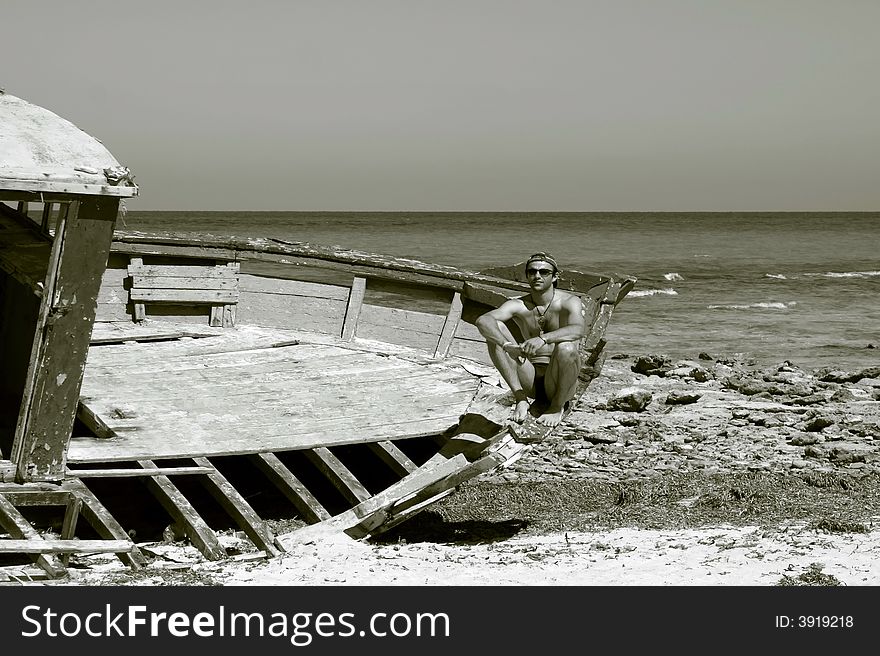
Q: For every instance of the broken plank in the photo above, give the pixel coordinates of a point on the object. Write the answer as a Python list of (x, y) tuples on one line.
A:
[(449, 327), (338, 474), (125, 472), (104, 524), (55, 546), (68, 526), (353, 309), (391, 455), (93, 422), (18, 527), (240, 510), (183, 513), (303, 500)]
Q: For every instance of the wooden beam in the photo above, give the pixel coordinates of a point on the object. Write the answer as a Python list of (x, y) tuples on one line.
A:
[(61, 340), (184, 296), (104, 524), (341, 477), (125, 472), (93, 422), (18, 527), (289, 485), (41, 546), (353, 310), (391, 454), (25, 497), (66, 188), (449, 327), (183, 513), (140, 312), (238, 508), (68, 526)]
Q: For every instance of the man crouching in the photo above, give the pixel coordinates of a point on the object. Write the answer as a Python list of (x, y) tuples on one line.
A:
[(545, 366)]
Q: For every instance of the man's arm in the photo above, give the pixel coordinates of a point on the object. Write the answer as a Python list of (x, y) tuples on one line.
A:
[(487, 323)]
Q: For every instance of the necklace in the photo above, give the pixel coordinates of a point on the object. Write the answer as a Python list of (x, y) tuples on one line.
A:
[(541, 318)]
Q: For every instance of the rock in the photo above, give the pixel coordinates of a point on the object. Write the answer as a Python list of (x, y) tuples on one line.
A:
[(803, 440), (812, 399), (843, 456), (682, 397), (631, 399), (813, 452), (705, 356), (816, 424), (843, 395), (701, 375), (600, 438), (652, 365), (747, 386)]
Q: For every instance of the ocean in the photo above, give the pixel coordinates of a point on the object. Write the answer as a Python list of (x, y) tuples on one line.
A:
[(764, 287)]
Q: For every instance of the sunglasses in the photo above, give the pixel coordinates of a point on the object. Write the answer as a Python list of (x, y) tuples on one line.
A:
[(541, 272)]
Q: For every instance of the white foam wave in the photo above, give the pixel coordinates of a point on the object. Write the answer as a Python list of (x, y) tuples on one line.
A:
[(653, 292), (672, 276), (844, 274), (755, 306), (777, 276)]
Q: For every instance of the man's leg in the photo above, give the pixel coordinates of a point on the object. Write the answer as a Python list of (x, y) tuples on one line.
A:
[(560, 381), (520, 377)]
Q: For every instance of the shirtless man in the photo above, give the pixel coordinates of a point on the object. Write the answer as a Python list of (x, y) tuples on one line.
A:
[(548, 361)]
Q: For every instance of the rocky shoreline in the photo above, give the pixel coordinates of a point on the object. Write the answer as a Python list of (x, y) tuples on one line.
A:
[(646, 415)]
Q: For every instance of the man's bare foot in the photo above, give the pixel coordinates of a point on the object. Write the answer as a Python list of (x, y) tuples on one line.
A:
[(521, 411), (550, 418)]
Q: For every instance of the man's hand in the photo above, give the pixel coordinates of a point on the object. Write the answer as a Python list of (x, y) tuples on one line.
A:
[(531, 346), (513, 349)]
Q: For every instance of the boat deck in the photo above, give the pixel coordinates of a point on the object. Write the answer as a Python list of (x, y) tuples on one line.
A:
[(179, 391)]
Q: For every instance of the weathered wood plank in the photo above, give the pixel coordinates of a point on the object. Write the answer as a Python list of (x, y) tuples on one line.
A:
[(67, 188), (93, 422), (353, 309), (140, 310), (265, 285), (31, 497), (183, 282), (62, 340), (68, 526), (61, 546), (239, 509), (183, 295), (122, 472), (88, 450), (338, 474), (449, 327), (104, 523), (391, 455), (289, 485), (419, 330), (144, 272), (18, 527), (195, 252), (316, 314), (183, 513)]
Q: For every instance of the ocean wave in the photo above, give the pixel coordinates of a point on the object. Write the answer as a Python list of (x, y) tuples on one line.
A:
[(653, 292), (844, 274), (776, 276), (770, 305), (672, 276)]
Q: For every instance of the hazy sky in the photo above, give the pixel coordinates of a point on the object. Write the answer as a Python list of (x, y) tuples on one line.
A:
[(555, 105)]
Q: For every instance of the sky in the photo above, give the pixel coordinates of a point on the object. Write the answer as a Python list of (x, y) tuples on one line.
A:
[(466, 105)]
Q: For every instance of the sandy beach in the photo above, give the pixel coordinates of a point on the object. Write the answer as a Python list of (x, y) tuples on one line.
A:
[(645, 420)]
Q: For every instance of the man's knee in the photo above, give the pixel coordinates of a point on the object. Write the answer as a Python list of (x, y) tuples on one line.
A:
[(566, 351)]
